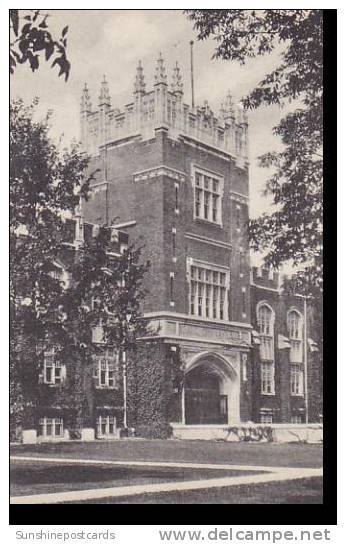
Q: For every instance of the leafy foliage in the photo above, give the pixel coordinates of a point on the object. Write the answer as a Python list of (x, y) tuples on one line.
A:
[(30, 36), (293, 231), (48, 308), (260, 433), (41, 184), (154, 380), (106, 290)]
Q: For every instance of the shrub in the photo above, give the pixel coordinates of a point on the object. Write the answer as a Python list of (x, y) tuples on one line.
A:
[(157, 429)]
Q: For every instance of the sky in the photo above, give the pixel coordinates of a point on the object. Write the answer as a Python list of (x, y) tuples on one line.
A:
[(111, 42)]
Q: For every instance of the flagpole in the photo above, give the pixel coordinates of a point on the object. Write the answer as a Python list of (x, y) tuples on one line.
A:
[(192, 80), (306, 364), (106, 180), (125, 388)]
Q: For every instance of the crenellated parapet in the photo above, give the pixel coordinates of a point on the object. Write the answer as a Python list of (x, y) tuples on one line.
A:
[(163, 107)]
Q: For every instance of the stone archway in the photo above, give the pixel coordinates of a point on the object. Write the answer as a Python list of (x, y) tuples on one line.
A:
[(211, 391)]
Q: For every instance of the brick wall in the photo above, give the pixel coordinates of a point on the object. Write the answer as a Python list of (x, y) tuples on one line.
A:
[(283, 404), (152, 204), (162, 203)]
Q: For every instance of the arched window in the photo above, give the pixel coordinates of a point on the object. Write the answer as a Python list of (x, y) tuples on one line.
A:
[(265, 324), (295, 333)]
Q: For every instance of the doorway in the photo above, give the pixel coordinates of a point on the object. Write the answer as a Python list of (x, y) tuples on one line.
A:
[(203, 402)]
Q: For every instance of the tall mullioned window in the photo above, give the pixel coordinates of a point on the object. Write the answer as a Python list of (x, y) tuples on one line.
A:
[(209, 292), (297, 380), (53, 370), (265, 323), (267, 378), (295, 333), (208, 196), (106, 425), (105, 370)]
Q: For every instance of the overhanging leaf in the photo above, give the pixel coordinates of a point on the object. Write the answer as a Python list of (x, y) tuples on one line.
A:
[(15, 20)]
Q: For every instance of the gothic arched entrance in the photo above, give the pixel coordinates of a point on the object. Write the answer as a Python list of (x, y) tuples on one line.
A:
[(204, 401)]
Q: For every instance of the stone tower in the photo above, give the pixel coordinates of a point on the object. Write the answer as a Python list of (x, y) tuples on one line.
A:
[(176, 178)]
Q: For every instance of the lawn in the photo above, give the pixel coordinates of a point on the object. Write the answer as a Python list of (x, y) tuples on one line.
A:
[(239, 453), (36, 477), (305, 491)]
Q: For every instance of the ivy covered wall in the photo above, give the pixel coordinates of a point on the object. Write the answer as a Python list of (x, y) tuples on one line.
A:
[(155, 373)]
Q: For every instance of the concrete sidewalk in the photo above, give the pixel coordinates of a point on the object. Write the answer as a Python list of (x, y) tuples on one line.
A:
[(273, 474)]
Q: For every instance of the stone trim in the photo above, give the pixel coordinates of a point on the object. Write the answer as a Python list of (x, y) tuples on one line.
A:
[(158, 171), (97, 187), (198, 341), (196, 166), (213, 150), (130, 223), (253, 284), (190, 261), (238, 197), (122, 140), (188, 330), (216, 322), (205, 240)]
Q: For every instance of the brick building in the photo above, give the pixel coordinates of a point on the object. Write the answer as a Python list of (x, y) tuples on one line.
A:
[(70, 399), (284, 352), (175, 178)]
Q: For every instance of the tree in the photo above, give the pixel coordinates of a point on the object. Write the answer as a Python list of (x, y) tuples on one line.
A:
[(30, 36), (42, 183), (293, 231), (105, 295), (59, 292)]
